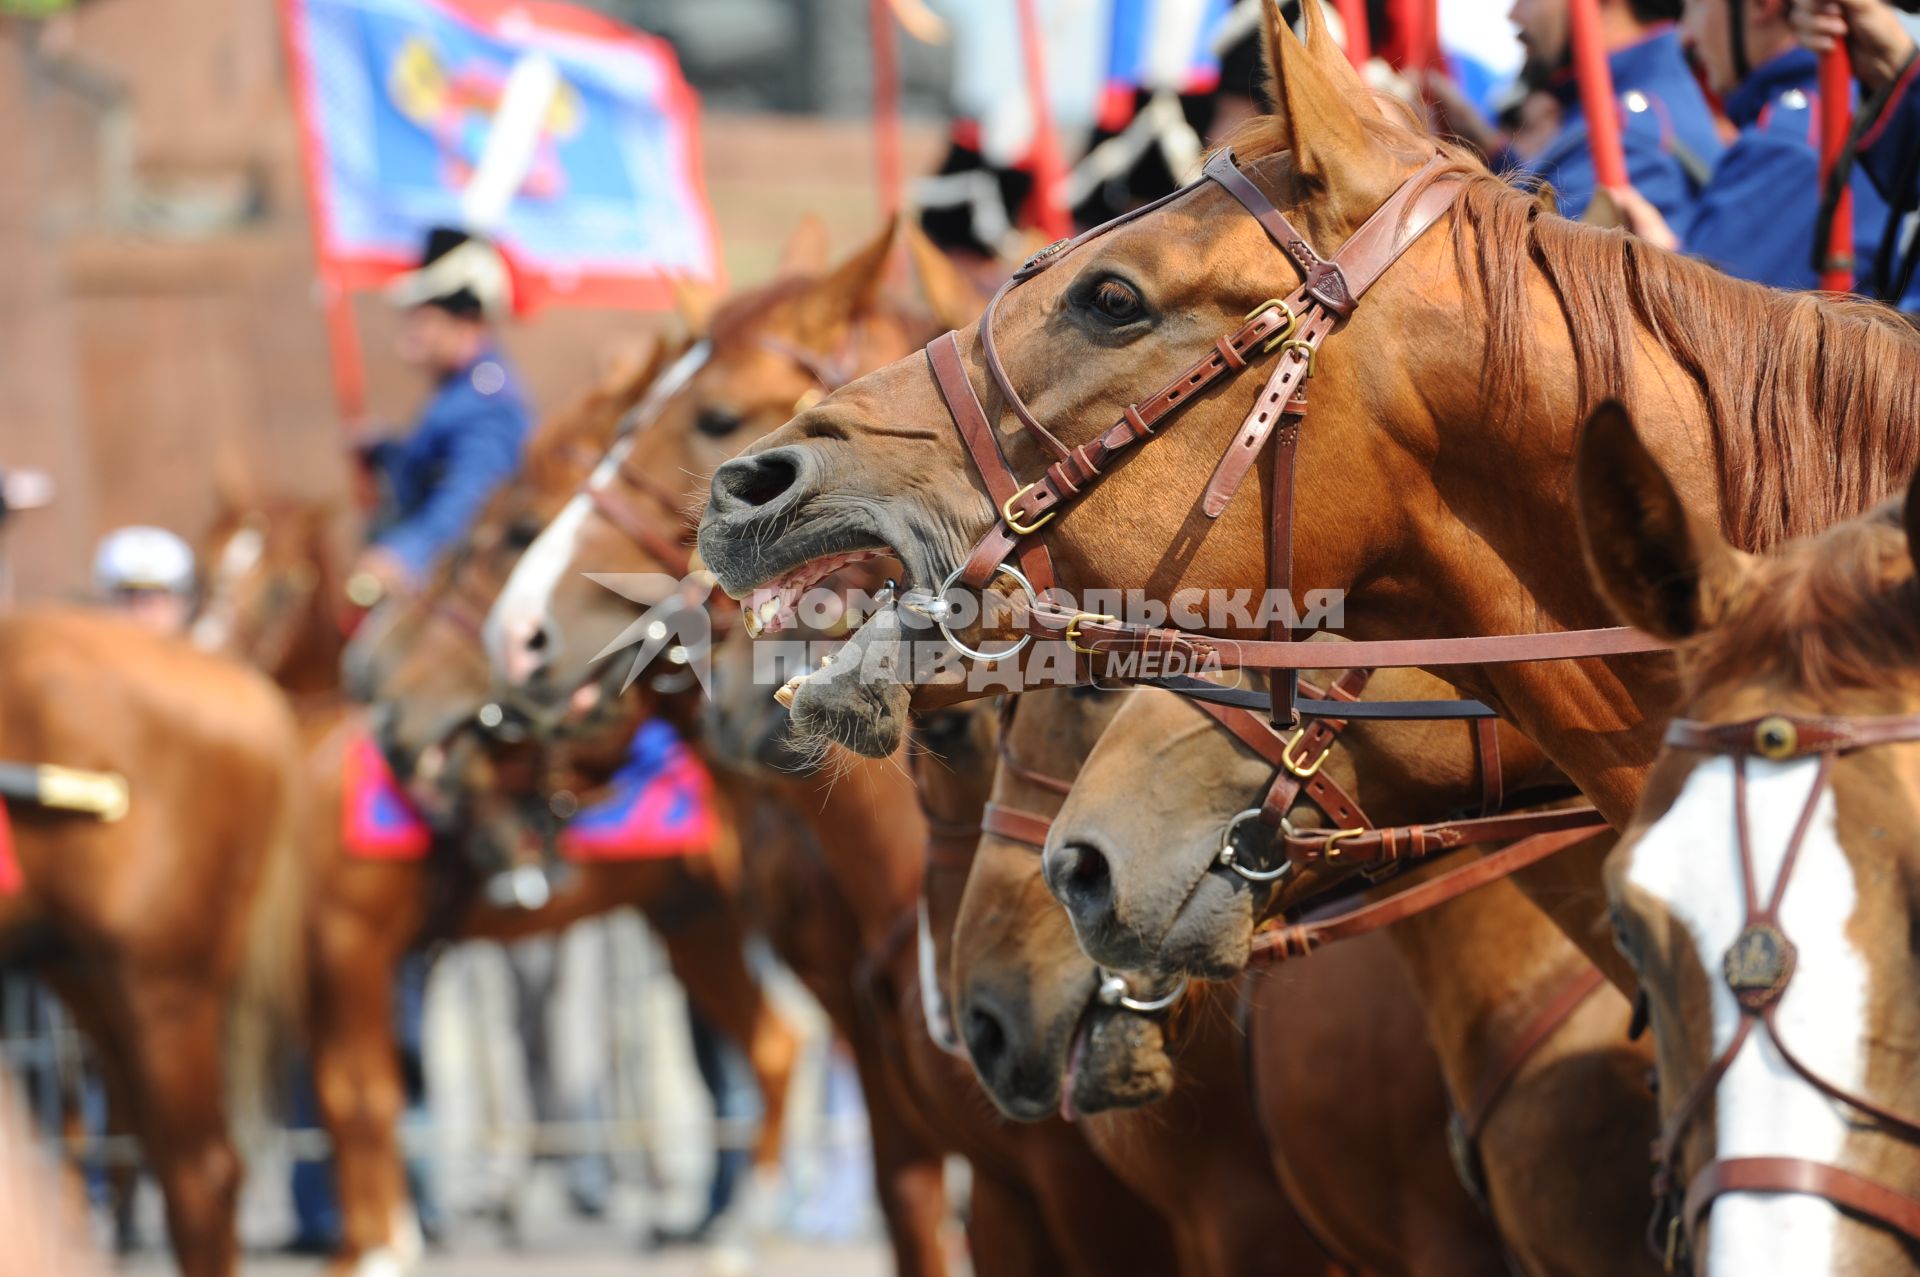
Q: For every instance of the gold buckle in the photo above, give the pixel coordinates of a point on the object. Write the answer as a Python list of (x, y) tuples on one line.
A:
[(1019, 528), (1300, 769), (1301, 345), (1330, 850), (1292, 324), (1073, 630)]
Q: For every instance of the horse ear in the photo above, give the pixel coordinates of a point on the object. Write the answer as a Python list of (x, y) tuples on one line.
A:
[(853, 286), (696, 303), (950, 293), (807, 249), (1332, 59), (1316, 112), (1658, 566)]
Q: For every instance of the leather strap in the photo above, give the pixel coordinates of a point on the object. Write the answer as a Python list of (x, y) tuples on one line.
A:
[(983, 445), (1886, 1206), (1804, 735), (611, 504), (1399, 843), (1297, 940), (1486, 752), (1014, 825), (1544, 1023), (1120, 638)]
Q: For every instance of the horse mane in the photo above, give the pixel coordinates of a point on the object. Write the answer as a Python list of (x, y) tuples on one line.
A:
[(1812, 401), (1838, 610)]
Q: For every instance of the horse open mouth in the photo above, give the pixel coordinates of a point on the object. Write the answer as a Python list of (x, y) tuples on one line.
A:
[(773, 607)]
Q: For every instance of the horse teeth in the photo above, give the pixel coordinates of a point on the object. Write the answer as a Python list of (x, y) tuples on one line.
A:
[(788, 689)]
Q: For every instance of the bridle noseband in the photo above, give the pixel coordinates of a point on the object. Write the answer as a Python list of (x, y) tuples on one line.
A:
[(1353, 842), (1757, 969)]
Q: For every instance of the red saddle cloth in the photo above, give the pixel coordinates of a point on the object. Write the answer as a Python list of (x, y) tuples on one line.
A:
[(12, 879), (376, 820), (661, 805)]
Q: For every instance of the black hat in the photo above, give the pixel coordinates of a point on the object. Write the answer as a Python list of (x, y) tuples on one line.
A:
[(460, 273)]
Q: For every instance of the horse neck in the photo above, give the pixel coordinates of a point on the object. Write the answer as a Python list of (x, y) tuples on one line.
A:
[(867, 820), (1472, 559)]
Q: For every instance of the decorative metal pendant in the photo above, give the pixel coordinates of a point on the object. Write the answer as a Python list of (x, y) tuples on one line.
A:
[(1759, 965), (1775, 739)]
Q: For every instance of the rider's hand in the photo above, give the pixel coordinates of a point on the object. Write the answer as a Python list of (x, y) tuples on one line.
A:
[(1642, 218), (1877, 42)]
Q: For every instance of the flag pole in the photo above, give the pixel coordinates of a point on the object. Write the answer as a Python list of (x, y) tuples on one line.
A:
[(1049, 174), (1596, 94), (1836, 90)]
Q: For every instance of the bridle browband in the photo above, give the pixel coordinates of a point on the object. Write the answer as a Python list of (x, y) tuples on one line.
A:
[(1295, 326), (1758, 969)]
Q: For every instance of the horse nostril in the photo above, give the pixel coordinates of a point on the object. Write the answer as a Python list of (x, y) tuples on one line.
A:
[(986, 1038), (1086, 882), (537, 641), (750, 482)]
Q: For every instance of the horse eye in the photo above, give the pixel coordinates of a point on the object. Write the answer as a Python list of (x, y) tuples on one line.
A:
[(717, 423), (1117, 301), (522, 533)]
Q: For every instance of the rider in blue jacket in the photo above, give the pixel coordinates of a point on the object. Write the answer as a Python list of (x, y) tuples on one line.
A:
[(1668, 131), (1882, 51), (468, 438), (1756, 218)]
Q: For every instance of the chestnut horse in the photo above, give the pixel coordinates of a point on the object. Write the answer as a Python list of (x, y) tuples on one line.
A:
[(1033, 1187), (273, 598), (1554, 1110), (1433, 467), (1764, 890), (438, 683), (1167, 1099), (171, 934)]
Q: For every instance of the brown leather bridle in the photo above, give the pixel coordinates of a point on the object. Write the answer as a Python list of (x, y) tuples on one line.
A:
[(619, 502), (1353, 842), (1295, 326), (1758, 969)]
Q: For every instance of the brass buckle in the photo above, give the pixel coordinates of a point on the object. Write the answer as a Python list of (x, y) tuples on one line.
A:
[(1292, 325), (1073, 630), (1307, 346), (1330, 849), (1301, 769), (1019, 528)]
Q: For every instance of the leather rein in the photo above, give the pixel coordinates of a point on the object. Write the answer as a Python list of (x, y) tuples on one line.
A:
[(1758, 968), (1295, 326)]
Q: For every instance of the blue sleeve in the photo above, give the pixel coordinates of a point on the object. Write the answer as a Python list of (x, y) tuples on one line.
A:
[(1568, 165), (1890, 150), (1657, 175), (1572, 179), (482, 452), (1755, 218)]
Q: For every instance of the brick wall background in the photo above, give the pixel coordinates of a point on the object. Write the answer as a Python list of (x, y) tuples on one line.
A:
[(157, 313)]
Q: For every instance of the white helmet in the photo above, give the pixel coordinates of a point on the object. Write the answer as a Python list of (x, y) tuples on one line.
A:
[(143, 558)]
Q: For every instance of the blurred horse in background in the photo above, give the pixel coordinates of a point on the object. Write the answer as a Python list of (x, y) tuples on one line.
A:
[(172, 932)]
